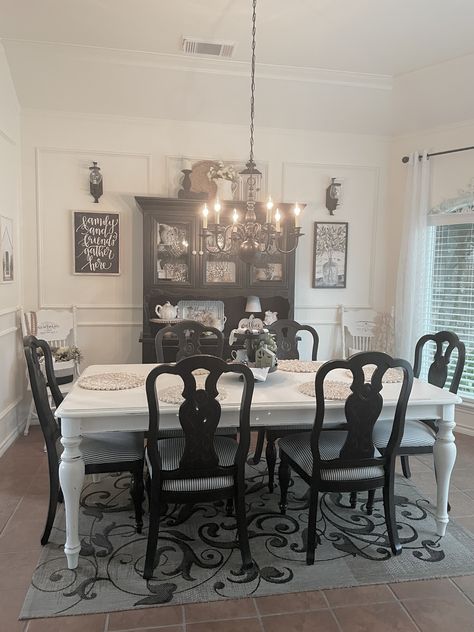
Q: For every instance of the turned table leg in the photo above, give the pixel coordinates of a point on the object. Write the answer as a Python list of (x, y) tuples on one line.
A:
[(444, 453), (71, 476)]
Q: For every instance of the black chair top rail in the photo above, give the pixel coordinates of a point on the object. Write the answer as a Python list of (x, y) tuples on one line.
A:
[(189, 333), (286, 332), (199, 415), (438, 370), (362, 410)]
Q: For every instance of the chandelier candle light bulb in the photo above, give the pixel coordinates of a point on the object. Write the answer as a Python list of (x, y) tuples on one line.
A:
[(235, 219), (297, 212), (205, 213), (277, 220), (217, 208), (269, 209)]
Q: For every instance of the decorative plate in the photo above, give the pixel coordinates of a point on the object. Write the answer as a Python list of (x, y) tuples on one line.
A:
[(111, 381), (390, 376), (209, 313), (299, 366), (200, 183), (173, 394), (332, 389)]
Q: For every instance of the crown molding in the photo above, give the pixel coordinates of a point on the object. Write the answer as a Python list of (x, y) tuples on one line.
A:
[(205, 65)]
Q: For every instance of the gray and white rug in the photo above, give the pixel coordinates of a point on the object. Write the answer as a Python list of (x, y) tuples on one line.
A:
[(198, 560)]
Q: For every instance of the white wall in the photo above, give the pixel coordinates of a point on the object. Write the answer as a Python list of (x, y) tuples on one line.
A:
[(58, 148), (449, 174), (11, 360)]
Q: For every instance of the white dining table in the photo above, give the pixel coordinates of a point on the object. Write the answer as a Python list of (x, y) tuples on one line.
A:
[(276, 401)]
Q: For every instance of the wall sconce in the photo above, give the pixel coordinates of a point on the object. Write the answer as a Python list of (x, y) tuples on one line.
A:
[(333, 195), (96, 182)]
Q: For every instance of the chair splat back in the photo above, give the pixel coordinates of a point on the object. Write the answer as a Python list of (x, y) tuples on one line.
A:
[(286, 332), (48, 423), (362, 409), (199, 414), (438, 370), (189, 334)]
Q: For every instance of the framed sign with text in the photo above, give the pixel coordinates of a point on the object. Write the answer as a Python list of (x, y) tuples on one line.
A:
[(96, 242)]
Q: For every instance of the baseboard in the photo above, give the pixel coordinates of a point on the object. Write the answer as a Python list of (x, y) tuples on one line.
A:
[(467, 430), (15, 432)]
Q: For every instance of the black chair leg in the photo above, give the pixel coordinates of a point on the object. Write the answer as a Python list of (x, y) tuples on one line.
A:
[(284, 479), (259, 447), (54, 491), (229, 508), (405, 466), (153, 532), (271, 455), (353, 500), (312, 517), (390, 519), (370, 502), (137, 492), (242, 532)]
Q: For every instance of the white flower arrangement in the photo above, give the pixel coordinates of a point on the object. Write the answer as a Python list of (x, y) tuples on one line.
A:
[(220, 171)]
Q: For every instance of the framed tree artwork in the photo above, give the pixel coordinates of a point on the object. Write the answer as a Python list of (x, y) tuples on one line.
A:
[(330, 255), (7, 249)]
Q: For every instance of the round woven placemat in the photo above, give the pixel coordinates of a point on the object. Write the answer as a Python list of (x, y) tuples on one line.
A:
[(390, 375), (111, 381), (332, 389), (173, 394), (299, 366)]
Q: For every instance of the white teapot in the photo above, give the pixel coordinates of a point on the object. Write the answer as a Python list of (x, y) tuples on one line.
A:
[(166, 311), (270, 317)]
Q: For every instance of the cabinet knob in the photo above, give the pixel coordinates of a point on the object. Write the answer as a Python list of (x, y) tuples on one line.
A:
[(194, 253), (201, 253)]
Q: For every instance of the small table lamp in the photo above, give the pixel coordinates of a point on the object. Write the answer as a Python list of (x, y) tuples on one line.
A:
[(253, 305)]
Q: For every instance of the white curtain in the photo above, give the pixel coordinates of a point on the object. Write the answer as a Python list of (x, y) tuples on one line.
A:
[(410, 305)]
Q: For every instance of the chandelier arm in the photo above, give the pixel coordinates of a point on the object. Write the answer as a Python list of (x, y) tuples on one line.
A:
[(296, 236)]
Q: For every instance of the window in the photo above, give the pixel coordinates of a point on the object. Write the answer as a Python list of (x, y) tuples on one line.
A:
[(450, 303)]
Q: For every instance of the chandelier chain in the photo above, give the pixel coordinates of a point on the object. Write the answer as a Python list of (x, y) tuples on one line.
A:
[(252, 82)]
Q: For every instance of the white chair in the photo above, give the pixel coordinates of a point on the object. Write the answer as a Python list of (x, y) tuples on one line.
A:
[(366, 330), (58, 328)]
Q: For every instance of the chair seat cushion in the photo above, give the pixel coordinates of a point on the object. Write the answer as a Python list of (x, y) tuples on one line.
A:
[(415, 435), (298, 448), (171, 451), (178, 432), (112, 447)]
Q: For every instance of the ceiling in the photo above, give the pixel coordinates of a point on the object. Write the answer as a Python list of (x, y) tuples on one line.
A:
[(337, 59)]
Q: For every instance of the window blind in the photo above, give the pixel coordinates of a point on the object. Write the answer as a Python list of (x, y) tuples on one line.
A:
[(450, 303)]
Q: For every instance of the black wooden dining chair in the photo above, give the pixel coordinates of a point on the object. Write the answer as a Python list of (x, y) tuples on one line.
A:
[(189, 334), (200, 466), (286, 335), (347, 460), (420, 435), (102, 452)]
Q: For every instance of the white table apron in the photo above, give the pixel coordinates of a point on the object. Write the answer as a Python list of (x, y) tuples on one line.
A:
[(275, 402)]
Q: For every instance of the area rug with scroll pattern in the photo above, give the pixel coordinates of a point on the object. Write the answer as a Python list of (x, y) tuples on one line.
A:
[(198, 559)]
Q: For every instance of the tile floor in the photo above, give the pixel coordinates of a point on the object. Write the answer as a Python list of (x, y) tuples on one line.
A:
[(428, 606)]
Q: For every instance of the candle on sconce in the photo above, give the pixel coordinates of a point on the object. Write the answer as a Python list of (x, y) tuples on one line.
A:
[(277, 220), (269, 209), (297, 212), (217, 208), (235, 218), (205, 213)]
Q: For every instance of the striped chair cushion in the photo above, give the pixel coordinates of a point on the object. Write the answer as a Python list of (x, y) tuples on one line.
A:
[(416, 434), (171, 451), (112, 447), (178, 432), (298, 448), (303, 427)]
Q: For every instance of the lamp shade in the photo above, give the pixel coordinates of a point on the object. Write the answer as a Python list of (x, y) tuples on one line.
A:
[(253, 305)]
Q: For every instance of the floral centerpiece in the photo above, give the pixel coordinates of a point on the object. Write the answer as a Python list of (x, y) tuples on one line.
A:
[(63, 354)]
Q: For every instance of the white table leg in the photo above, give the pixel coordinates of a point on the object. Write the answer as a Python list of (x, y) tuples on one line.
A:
[(71, 476), (444, 453)]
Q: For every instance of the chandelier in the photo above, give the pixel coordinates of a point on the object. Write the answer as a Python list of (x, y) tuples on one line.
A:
[(251, 240)]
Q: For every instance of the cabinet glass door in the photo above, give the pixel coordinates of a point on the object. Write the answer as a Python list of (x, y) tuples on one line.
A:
[(221, 268), (173, 243)]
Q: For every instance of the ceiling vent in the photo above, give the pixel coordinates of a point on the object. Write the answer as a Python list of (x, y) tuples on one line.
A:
[(214, 48)]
